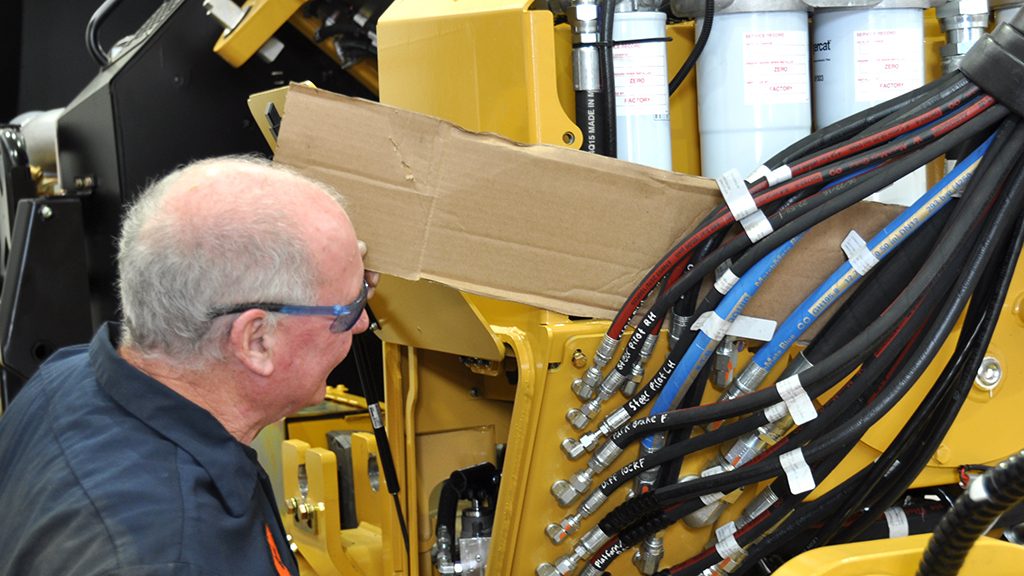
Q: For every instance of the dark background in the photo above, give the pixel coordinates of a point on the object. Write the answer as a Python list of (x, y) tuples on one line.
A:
[(43, 59)]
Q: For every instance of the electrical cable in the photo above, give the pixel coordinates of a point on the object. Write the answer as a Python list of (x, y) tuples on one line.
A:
[(698, 48), (92, 28), (387, 462)]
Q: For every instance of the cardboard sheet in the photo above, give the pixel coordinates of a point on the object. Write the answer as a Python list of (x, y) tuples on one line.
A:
[(547, 226)]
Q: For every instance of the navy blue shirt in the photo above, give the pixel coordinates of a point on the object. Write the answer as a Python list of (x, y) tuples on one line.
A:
[(104, 470)]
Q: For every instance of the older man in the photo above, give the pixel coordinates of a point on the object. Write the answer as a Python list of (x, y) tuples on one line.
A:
[(241, 286)]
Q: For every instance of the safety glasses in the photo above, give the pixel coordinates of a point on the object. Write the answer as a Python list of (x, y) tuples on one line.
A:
[(345, 315)]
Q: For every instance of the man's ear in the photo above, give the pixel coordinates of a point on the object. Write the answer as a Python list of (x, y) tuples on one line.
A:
[(252, 341)]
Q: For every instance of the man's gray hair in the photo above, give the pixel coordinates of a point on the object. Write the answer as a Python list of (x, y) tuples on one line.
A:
[(171, 281)]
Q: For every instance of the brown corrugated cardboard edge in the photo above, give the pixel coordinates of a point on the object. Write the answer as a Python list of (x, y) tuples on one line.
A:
[(556, 228)]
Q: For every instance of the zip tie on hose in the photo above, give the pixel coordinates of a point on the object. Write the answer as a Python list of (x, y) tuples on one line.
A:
[(756, 226), (798, 473), (747, 327), (728, 547), (712, 325), (799, 404), (725, 530), (737, 196), (896, 520), (726, 281), (861, 258), (779, 175), (760, 172), (709, 499)]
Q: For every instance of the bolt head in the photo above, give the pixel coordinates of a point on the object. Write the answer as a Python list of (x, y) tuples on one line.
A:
[(579, 359), (46, 212), (990, 373)]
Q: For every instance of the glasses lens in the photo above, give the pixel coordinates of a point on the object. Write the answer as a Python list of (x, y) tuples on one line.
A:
[(345, 321)]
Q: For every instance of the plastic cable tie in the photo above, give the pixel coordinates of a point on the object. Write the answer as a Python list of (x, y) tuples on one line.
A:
[(776, 412), (751, 328), (725, 530), (712, 325), (728, 547), (737, 196), (799, 404), (756, 226), (896, 519), (709, 499), (726, 281), (757, 174), (862, 259), (779, 175), (798, 473)]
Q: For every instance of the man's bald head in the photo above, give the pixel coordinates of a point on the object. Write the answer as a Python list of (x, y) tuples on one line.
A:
[(215, 233)]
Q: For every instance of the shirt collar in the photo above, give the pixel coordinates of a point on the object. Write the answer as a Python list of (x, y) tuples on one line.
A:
[(227, 461)]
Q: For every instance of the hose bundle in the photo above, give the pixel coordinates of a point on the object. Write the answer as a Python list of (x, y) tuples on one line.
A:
[(950, 254)]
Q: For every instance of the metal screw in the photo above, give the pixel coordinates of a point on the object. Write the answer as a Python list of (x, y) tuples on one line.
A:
[(990, 373), (474, 392), (46, 212), (579, 359)]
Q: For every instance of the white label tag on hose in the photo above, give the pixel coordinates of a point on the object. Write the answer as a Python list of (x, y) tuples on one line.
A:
[(712, 325), (709, 499), (376, 420), (736, 194), (776, 412), (759, 173), (725, 530), (751, 328), (896, 519), (798, 473), (728, 547), (862, 260), (779, 175), (800, 406), (756, 226), (726, 281)]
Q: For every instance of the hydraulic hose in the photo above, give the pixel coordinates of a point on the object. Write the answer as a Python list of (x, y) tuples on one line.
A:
[(698, 48), (987, 497)]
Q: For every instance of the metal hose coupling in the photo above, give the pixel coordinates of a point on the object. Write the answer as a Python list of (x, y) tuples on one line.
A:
[(637, 375), (648, 557), (571, 523), (585, 387), (587, 545), (575, 448), (565, 491)]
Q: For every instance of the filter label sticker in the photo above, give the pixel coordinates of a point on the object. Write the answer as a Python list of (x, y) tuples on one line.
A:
[(641, 79), (886, 63), (776, 68)]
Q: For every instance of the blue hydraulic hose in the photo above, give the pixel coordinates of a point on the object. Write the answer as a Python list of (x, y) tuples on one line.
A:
[(881, 245), (703, 346)]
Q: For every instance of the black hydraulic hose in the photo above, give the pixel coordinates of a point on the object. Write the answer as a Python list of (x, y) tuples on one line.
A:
[(92, 28), (591, 119), (988, 496), (698, 48), (877, 290), (852, 125), (958, 379), (858, 345), (693, 397), (800, 217), (608, 76), (887, 398), (679, 449)]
